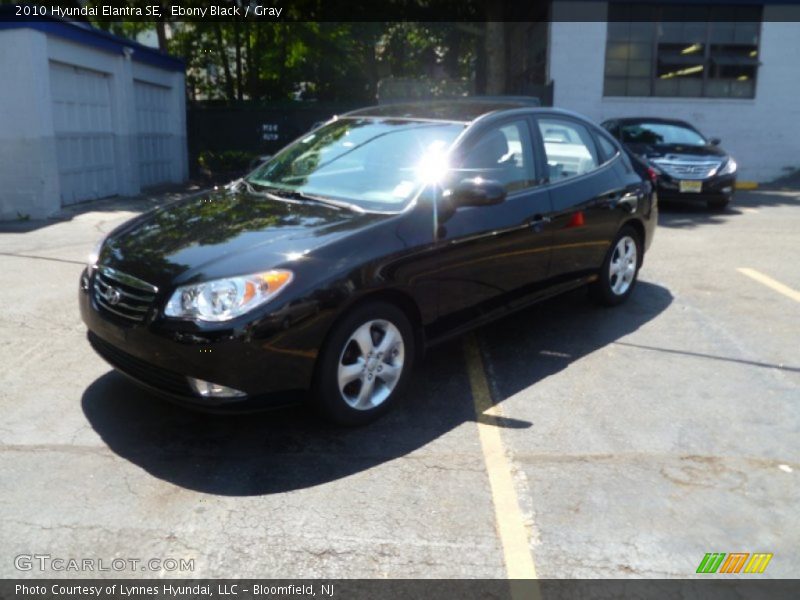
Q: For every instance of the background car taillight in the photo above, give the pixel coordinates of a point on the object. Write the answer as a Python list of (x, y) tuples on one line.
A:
[(652, 174)]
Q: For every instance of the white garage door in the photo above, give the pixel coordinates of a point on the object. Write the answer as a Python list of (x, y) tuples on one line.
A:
[(154, 140), (84, 135)]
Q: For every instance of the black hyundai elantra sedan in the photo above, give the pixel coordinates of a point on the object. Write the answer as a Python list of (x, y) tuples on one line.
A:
[(684, 163), (327, 271)]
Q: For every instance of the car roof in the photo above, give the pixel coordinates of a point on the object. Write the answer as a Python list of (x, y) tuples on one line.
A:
[(462, 110)]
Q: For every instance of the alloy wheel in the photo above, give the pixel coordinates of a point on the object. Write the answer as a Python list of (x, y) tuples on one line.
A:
[(622, 267), (371, 364)]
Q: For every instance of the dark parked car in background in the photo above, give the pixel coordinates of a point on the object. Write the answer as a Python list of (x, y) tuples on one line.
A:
[(333, 265), (686, 165)]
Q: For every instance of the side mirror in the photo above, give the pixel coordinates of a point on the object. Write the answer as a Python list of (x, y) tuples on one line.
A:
[(715, 141), (477, 192)]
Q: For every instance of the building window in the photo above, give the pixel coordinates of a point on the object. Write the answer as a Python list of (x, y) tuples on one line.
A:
[(682, 50)]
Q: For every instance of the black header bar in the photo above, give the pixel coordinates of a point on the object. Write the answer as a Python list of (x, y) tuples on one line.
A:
[(406, 589), (378, 10)]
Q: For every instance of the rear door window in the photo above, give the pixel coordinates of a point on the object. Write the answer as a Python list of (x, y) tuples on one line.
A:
[(569, 148), (607, 149)]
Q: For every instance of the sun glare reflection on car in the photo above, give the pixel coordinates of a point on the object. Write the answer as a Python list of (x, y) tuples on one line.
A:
[(434, 164)]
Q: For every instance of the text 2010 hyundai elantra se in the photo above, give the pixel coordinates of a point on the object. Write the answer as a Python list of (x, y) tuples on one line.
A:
[(332, 266)]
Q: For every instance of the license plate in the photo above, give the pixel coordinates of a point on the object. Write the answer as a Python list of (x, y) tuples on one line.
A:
[(690, 187)]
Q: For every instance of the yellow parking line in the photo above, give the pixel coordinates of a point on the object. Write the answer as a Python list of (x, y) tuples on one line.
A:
[(746, 185), (770, 283), (508, 516)]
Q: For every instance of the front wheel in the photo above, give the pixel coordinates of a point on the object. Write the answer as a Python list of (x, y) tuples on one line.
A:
[(620, 269), (365, 364)]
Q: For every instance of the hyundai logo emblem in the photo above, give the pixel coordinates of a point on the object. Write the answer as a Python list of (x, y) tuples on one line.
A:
[(112, 295)]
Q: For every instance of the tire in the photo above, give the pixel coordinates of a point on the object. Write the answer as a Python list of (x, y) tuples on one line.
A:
[(609, 289), (346, 365), (718, 204)]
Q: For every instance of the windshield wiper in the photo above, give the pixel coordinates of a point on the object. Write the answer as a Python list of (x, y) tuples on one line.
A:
[(283, 193)]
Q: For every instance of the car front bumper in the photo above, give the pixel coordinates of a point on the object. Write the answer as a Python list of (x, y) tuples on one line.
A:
[(272, 368), (713, 188)]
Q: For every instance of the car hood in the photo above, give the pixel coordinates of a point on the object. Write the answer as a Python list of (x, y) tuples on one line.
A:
[(677, 152), (223, 233)]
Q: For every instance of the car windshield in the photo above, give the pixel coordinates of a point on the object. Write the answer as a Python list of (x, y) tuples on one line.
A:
[(661, 133), (375, 164)]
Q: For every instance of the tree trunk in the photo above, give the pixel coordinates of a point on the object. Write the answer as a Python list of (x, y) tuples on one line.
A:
[(453, 43), (495, 50), (161, 32), (223, 57), (249, 66), (238, 42), (282, 66), (371, 62), (259, 51)]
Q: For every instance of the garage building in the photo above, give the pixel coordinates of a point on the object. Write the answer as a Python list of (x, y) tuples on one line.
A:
[(732, 71), (85, 115)]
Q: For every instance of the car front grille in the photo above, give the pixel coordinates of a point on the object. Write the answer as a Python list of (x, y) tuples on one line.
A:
[(688, 169), (123, 295), (140, 370)]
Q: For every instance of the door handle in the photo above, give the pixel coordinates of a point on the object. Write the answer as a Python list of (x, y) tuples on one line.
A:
[(537, 221)]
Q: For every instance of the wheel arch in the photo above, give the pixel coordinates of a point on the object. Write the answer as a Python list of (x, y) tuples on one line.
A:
[(640, 229), (405, 302), (398, 298)]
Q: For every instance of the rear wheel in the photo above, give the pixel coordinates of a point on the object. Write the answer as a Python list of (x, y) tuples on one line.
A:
[(365, 364), (620, 269)]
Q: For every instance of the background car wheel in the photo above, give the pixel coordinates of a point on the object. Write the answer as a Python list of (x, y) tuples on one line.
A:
[(718, 204), (620, 269), (365, 364)]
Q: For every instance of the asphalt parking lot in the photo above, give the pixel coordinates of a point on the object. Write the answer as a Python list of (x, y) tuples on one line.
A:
[(621, 442)]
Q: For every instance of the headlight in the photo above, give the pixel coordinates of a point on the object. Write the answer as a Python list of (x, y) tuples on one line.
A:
[(91, 260), (728, 168), (225, 299)]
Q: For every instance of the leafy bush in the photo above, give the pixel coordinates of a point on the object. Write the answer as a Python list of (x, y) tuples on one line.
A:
[(226, 161)]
